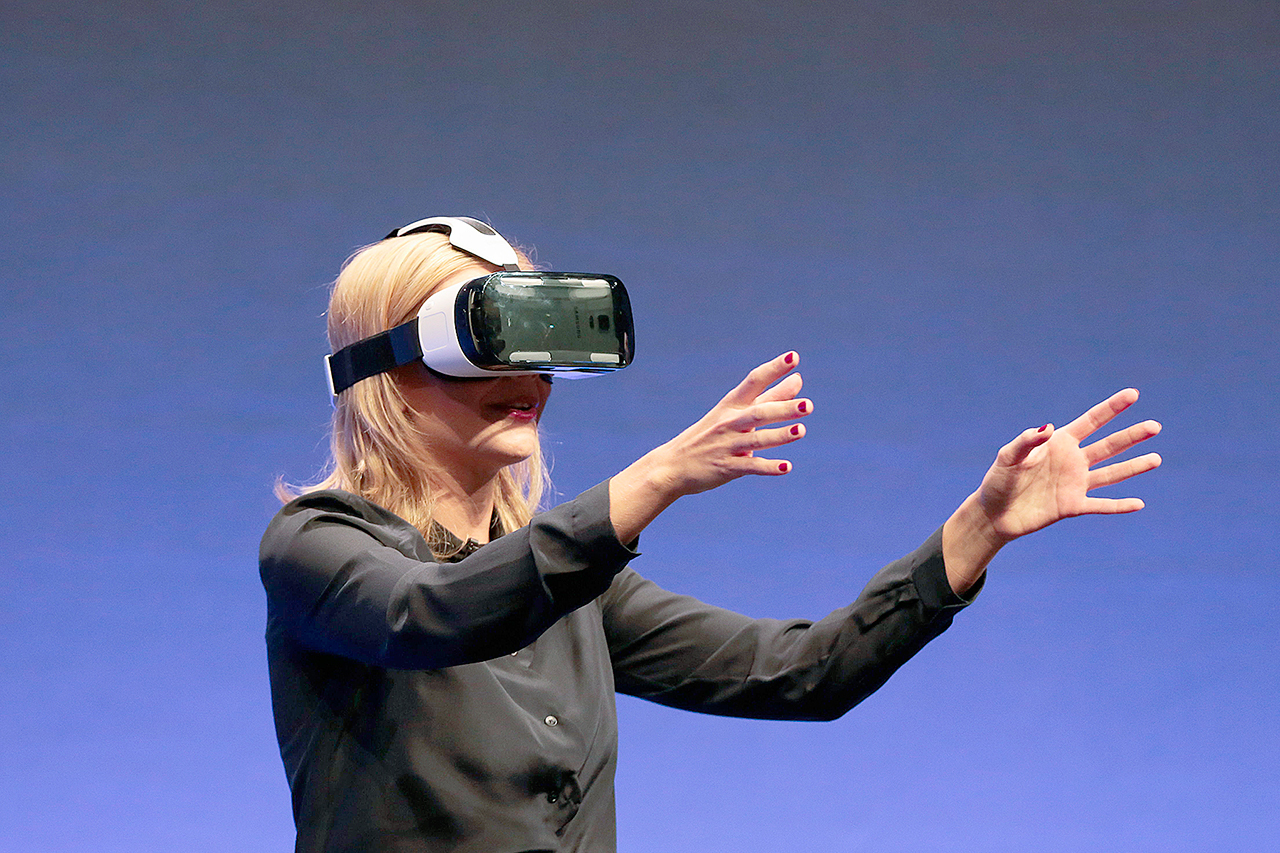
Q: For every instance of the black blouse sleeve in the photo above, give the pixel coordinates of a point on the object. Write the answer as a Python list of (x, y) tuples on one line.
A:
[(346, 577), (677, 651)]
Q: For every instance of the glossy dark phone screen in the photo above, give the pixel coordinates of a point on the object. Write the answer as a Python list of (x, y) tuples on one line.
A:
[(552, 321)]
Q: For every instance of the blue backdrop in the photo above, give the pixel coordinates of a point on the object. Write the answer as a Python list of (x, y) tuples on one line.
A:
[(969, 218)]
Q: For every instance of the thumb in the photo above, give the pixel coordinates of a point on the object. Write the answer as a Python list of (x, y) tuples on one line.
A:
[(1016, 451)]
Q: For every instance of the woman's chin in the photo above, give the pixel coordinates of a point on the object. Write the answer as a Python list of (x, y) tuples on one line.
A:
[(514, 447)]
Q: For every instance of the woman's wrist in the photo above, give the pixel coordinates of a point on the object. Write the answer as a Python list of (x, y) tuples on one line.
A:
[(969, 542), (639, 493)]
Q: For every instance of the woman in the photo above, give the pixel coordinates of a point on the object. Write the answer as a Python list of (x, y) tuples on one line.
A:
[(443, 661)]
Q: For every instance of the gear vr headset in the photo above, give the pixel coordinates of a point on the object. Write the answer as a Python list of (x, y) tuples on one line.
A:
[(506, 323)]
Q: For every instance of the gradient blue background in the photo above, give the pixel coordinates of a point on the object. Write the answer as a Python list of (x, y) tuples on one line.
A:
[(969, 218)]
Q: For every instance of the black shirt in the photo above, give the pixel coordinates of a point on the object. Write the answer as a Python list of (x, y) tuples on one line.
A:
[(469, 706)]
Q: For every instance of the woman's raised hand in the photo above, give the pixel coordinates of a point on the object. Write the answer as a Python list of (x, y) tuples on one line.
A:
[(1043, 476), (720, 447)]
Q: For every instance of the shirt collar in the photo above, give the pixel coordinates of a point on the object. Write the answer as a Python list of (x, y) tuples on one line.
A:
[(450, 548)]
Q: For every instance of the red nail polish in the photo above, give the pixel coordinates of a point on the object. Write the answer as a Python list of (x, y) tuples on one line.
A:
[(791, 357), (784, 467), (803, 407), (795, 430), (1043, 428)]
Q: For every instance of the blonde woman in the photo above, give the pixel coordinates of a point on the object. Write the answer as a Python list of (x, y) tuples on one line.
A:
[(444, 659)]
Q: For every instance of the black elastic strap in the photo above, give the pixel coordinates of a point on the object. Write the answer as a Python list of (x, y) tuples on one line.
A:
[(371, 356)]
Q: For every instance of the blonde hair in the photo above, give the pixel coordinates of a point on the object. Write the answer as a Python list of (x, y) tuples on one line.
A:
[(375, 451)]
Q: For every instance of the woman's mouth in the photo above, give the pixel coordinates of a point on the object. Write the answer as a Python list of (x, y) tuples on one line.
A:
[(520, 411)]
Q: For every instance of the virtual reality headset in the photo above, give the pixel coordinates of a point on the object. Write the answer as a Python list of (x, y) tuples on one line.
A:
[(505, 323)]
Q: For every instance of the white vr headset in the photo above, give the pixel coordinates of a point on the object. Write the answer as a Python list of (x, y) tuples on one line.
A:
[(506, 323)]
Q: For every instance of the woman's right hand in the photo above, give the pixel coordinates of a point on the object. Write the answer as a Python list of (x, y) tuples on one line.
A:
[(720, 447)]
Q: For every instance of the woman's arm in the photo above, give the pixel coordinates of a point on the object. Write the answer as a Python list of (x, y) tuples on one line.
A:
[(349, 578), (678, 651), (346, 577), (675, 650)]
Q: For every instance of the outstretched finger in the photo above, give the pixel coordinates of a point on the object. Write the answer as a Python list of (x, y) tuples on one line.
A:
[(787, 389), (1121, 441), (763, 414), (1101, 414), (1111, 506), (1121, 471), (765, 439), (765, 467), (761, 378)]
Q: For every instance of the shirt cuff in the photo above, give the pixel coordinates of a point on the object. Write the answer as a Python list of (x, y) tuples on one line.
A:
[(596, 524), (930, 577)]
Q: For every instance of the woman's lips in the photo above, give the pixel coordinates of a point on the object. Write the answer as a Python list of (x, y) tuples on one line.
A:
[(519, 411)]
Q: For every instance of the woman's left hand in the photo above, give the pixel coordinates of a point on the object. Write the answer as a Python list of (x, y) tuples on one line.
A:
[(1043, 476)]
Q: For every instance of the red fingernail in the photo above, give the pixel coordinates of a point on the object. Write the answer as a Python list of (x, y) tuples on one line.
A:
[(1043, 428), (803, 407), (784, 467), (795, 430), (791, 357)]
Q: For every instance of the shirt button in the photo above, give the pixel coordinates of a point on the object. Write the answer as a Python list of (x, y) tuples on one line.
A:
[(551, 720)]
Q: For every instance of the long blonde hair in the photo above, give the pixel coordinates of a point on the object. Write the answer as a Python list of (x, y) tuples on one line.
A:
[(375, 451)]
